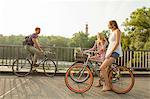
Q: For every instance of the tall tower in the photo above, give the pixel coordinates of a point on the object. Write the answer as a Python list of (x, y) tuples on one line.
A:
[(86, 28)]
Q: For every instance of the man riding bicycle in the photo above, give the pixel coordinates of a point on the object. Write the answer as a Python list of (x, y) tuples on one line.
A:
[(33, 47)]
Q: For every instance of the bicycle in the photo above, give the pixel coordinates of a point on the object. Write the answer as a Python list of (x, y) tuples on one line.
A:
[(79, 77), (23, 67)]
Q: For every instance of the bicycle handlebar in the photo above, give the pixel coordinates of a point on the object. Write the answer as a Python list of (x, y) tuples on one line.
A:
[(88, 53), (48, 52)]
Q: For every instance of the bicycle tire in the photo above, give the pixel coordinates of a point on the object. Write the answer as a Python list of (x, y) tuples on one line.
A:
[(124, 74), (21, 68), (68, 83), (49, 67), (78, 80)]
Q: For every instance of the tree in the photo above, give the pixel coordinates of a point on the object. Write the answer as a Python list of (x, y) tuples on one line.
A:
[(54, 41), (79, 39), (106, 33), (125, 41), (91, 41), (138, 28)]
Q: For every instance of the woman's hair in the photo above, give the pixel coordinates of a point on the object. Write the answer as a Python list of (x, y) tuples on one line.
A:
[(113, 22), (101, 37)]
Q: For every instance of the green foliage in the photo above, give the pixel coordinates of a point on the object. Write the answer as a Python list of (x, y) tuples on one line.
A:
[(147, 44), (106, 33), (54, 41), (138, 28), (125, 41), (79, 39), (44, 40), (91, 41), (11, 40)]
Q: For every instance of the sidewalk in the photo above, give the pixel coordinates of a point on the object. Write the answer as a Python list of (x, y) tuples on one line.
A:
[(41, 87), (8, 69)]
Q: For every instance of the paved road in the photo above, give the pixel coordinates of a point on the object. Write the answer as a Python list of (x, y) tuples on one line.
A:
[(41, 87)]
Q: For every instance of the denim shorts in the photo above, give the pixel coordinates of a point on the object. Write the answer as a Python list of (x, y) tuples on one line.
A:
[(114, 55)]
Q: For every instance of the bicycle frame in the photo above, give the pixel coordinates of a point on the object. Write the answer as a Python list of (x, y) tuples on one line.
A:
[(41, 61), (89, 64)]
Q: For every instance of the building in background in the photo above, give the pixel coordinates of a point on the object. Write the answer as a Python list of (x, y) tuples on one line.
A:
[(86, 28)]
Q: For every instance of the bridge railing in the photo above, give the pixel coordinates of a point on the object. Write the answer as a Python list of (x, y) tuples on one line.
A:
[(64, 56), (135, 59)]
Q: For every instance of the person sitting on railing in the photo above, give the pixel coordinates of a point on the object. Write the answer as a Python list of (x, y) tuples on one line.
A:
[(99, 47), (33, 47)]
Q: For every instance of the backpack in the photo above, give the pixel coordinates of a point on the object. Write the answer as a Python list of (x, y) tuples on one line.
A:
[(27, 40)]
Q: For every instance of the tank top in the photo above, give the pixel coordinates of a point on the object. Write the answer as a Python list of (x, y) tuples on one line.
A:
[(112, 41)]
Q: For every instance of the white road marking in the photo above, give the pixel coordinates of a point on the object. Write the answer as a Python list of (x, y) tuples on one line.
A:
[(4, 94)]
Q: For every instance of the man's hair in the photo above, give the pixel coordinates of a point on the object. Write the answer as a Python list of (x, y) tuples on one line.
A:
[(37, 28)]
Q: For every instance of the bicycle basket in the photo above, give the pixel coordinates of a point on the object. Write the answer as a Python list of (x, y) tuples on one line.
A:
[(80, 57)]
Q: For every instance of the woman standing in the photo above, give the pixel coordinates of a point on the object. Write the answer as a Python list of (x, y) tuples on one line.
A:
[(113, 52)]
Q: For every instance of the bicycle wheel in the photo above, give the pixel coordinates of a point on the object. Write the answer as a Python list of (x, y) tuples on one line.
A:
[(75, 77), (125, 80), (21, 67), (49, 68), (76, 85)]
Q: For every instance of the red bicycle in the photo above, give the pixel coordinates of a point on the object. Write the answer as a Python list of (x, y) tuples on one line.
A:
[(79, 77)]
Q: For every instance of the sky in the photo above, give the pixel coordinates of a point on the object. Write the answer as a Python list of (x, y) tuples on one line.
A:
[(63, 17)]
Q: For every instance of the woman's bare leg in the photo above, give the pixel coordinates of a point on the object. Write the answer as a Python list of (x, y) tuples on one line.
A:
[(105, 64), (99, 83)]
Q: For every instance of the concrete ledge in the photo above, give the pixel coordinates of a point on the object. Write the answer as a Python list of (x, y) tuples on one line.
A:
[(62, 73)]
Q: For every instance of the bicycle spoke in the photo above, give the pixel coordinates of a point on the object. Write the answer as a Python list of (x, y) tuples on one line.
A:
[(125, 80), (21, 67), (77, 80), (49, 67)]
